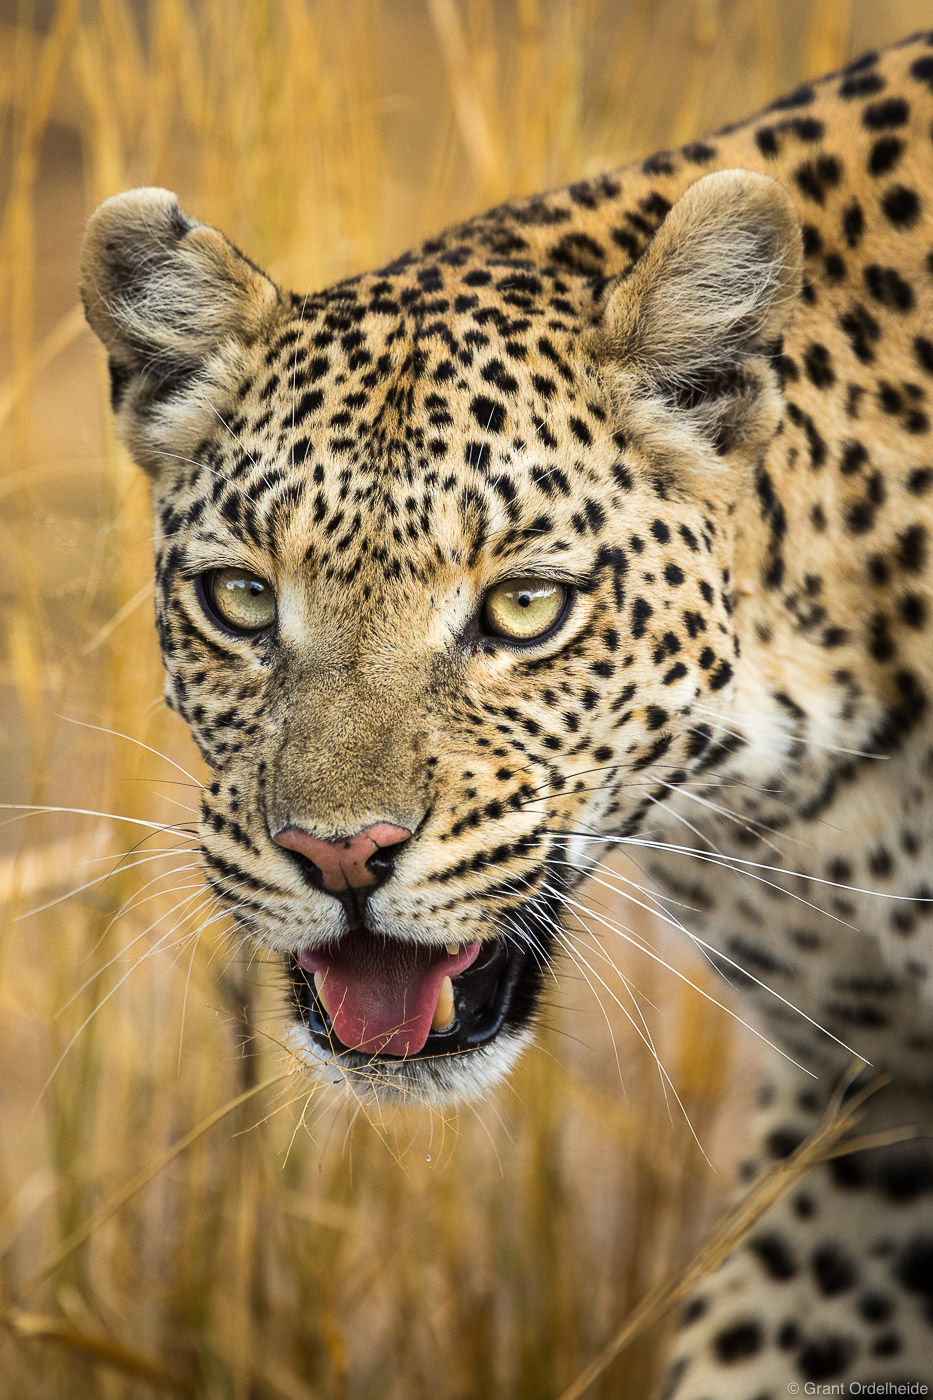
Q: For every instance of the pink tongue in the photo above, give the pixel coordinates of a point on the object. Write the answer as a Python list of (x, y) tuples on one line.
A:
[(381, 994)]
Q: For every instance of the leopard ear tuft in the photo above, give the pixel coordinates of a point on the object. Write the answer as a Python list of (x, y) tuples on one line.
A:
[(168, 297), (699, 315)]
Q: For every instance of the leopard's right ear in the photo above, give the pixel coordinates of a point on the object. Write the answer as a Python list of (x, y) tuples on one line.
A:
[(176, 305)]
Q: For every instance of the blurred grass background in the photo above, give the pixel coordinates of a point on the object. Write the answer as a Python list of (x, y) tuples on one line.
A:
[(154, 1239)]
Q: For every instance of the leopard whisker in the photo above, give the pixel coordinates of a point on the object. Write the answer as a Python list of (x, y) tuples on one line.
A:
[(642, 1031), (629, 937), (119, 869), (118, 734), (816, 743)]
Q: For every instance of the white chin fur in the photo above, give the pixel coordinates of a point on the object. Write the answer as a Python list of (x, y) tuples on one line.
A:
[(442, 1082)]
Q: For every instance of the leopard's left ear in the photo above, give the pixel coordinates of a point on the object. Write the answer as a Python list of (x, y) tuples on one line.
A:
[(696, 320), (176, 306)]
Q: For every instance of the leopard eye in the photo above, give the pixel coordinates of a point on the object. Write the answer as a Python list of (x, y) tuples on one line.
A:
[(524, 609), (242, 601)]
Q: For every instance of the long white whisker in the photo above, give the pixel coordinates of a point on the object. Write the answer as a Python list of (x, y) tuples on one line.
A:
[(27, 810), (118, 869), (117, 734), (707, 996)]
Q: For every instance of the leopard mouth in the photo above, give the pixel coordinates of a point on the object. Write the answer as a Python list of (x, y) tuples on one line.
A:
[(367, 998)]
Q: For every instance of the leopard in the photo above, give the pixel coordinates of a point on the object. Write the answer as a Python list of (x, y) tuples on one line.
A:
[(600, 523)]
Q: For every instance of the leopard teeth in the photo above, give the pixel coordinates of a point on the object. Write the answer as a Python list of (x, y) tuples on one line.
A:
[(452, 948), (444, 1011)]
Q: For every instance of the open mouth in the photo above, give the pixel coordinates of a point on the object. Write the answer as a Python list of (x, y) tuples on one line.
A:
[(386, 999)]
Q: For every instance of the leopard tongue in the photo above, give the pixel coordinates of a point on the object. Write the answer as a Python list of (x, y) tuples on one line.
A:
[(381, 994)]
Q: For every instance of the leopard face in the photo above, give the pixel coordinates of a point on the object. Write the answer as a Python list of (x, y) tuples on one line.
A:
[(443, 562)]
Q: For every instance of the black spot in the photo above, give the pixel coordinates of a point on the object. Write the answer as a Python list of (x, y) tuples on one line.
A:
[(309, 402), (863, 331), (641, 611), (659, 164), (824, 1357), (923, 350), (693, 1310), (833, 1270), (914, 1266), (875, 1307), (913, 610), (812, 240), (579, 253), (476, 454), (888, 287), (580, 431), (884, 155), (783, 1142), (496, 373), (818, 366), (800, 97), (738, 1342), (766, 140), (815, 178), (922, 70), (699, 152), (861, 85), (853, 459), (489, 413), (920, 480), (849, 1171), (721, 676), (907, 1177), (890, 111), (901, 206), (788, 1337), (775, 1256), (853, 223)]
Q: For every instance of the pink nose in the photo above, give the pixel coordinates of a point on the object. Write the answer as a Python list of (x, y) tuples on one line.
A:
[(343, 864)]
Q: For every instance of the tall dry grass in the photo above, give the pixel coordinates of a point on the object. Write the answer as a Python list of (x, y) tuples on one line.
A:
[(179, 1211)]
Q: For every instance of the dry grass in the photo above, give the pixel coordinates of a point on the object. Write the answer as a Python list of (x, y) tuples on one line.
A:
[(178, 1211)]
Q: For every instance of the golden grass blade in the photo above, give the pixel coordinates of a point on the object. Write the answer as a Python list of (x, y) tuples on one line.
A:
[(36, 1327), (712, 1251), (141, 1179)]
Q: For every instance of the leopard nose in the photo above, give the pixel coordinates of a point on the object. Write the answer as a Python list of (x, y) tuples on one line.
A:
[(358, 862)]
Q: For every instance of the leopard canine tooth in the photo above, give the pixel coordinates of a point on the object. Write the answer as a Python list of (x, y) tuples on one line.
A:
[(452, 948), (444, 1011), (319, 988)]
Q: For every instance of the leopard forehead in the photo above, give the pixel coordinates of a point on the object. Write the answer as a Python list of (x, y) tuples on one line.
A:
[(372, 431)]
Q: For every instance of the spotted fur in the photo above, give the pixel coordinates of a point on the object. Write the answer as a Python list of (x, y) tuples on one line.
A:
[(698, 390)]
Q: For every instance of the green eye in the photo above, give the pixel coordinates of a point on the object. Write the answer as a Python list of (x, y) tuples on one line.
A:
[(523, 609), (242, 601)]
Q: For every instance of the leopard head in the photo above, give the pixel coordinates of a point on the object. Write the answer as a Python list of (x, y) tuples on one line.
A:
[(442, 575)]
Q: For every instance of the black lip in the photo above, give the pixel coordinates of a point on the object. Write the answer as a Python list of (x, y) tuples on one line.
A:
[(500, 989)]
